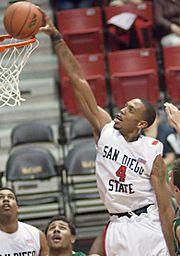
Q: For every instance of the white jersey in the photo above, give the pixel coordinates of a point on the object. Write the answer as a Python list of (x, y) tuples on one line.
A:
[(24, 242), (123, 170)]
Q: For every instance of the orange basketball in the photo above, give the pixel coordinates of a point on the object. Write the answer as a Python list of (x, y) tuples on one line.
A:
[(22, 20)]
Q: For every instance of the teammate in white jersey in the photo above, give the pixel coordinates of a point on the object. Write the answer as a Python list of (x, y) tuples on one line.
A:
[(18, 238), (130, 168)]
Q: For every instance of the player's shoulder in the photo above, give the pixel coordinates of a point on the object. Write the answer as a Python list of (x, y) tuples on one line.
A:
[(27, 226), (151, 141), (107, 126)]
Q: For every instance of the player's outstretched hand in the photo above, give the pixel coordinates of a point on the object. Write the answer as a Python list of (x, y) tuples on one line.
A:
[(49, 27), (173, 115)]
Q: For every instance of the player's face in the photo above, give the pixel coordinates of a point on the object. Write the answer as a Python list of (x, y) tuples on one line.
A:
[(59, 235), (8, 203), (129, 117)]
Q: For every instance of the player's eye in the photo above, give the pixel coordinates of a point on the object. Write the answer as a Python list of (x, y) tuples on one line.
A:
[(11, 197), (131, 109)]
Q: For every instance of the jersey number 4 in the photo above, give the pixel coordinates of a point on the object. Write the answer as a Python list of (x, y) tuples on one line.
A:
[(121, 173)]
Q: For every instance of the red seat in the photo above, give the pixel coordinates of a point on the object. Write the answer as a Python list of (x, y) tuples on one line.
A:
[(144, 23), (171, 56), (104, 2), (82, 29), (94, 70), (133, 74)]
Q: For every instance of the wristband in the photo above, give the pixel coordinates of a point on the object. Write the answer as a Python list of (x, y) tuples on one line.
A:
[(56, 38)]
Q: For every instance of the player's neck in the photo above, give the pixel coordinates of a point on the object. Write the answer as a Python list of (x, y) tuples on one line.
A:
[(60, 252), (130, 137), (8, 227)]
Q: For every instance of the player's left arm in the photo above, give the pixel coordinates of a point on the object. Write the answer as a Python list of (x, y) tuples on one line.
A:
[(163, 196), (43, 245)]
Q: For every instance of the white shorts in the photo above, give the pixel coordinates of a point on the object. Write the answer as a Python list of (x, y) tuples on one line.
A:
[(136, 236)]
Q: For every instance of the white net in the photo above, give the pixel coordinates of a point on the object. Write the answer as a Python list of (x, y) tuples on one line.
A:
[(12, 61)]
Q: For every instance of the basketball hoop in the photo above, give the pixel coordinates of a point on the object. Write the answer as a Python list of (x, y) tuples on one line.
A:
[(13, 57)]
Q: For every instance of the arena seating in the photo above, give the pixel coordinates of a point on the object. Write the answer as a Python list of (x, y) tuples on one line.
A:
[(80, 129), (133, 73), (34, 134), (93, 66), (33, 174), (82, 29), (171, 57)]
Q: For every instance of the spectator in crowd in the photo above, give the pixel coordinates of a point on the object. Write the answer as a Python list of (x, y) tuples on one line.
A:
[(18, 238), (129, 167), (71, 4), (167, 21), (175, 186), (61, 235)]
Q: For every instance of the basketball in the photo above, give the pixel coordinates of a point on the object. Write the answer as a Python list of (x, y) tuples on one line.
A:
[(22, 20)]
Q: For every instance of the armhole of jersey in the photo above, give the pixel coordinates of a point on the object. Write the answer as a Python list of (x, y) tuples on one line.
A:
[(103, 129)]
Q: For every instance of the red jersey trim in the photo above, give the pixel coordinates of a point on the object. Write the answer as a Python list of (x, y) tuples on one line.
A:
[(155, 142)]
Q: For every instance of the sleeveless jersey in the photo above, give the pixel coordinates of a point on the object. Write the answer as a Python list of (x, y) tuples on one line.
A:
[(24, 242), (123, 170)]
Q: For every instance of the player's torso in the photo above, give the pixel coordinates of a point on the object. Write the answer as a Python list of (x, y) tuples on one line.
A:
[(23, 242), (123, 170)]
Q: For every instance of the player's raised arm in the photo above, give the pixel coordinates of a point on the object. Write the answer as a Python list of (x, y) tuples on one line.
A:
[(83, 94)]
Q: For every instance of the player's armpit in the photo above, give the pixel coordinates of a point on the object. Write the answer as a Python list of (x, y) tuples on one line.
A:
[(86, 101), (43, 244), (163, 196)]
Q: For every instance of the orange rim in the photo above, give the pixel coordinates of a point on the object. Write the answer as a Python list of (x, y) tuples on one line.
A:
[(19, 44)]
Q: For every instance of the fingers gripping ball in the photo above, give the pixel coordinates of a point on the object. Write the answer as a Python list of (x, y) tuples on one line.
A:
[(22, 20)]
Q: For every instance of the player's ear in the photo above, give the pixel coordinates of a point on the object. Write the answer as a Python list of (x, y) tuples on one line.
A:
[(73, 239), (142, 124), (18, 210)]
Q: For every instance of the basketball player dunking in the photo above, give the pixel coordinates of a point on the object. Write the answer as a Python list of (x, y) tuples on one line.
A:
[(130, 169)]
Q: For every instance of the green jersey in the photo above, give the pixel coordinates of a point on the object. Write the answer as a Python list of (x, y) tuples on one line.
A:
[(176, 223), (78, 254)]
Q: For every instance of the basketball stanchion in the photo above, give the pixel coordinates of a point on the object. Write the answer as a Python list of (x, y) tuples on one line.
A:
[(14, 54)]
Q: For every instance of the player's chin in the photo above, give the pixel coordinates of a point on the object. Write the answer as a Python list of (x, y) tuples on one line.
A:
[(116, 126)]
